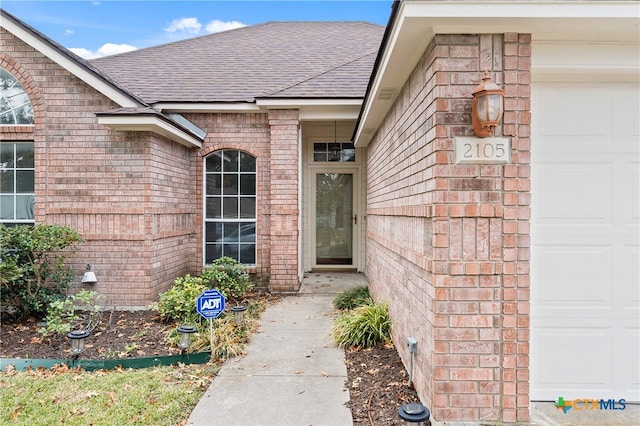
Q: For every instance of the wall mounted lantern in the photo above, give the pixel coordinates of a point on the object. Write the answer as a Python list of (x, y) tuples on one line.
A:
[(415, 414), (185, 332), (89, 276), (76, 340), (486, 107)]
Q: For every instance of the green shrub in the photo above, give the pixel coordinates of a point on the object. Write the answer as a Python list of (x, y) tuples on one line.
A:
[(36, 274), (364, 326), (81, 310), (228, 276), (179, 302), (353, 298)]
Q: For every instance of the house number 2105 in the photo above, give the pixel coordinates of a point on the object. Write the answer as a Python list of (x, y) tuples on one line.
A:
[(471, 150)]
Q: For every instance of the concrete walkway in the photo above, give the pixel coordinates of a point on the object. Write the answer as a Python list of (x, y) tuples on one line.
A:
[(293, 374)]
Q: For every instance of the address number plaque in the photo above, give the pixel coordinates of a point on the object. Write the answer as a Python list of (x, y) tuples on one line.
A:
[(470, 150)]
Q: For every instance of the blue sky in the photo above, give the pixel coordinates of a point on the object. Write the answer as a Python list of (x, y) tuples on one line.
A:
[(99, 28)]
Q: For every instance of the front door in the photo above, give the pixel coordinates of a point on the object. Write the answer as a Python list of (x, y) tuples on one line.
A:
[(335, 218)]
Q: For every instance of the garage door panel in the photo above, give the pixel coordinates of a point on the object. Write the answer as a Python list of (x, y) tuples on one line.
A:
[(587, 124), (581, 193), (568, 283), (631, 377), (556, 349), (631, 173), (585, 258)]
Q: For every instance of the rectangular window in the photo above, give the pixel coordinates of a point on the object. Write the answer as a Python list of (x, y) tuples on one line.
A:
[(17, 182), (334, 152), (230, 206)]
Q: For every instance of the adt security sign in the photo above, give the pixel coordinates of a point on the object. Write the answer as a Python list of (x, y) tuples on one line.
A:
[(210, 304)]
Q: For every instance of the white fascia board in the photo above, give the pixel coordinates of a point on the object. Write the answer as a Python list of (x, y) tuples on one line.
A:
[(73, 67), (417, 22), (150, 124), (479, 9), (317, 109), (299, 102), (310, 109), (206, 107)]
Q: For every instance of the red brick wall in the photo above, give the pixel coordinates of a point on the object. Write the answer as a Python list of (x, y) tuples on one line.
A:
[(448, 245), (128, 194), (284, 125)]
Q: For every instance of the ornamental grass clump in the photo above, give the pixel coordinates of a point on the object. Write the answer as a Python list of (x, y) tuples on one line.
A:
[(353, 298), (364, 326)]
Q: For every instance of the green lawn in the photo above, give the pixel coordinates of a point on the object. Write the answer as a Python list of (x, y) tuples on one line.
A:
[(148, 396)]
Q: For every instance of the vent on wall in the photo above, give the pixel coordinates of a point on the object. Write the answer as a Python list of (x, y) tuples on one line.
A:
[(386, 93)]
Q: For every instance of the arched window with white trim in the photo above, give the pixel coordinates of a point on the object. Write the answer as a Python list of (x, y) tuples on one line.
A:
[(17, 166), (230, 206)]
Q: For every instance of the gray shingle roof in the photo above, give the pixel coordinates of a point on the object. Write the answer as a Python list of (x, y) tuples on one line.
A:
[(275, 59)]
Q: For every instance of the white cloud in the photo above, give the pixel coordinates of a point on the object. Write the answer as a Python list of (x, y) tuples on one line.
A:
[(68, 32), (106, 50), (184, 27), (217, 25)]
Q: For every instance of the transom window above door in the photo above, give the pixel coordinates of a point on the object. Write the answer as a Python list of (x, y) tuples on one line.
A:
[(230, 206), (334, 152)]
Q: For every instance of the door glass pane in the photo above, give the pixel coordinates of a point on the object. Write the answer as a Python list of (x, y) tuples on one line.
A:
[(334, 219)]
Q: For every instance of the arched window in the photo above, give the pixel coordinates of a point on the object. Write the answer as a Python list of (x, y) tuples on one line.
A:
[(15, 106), (230, 206), (17, 167)]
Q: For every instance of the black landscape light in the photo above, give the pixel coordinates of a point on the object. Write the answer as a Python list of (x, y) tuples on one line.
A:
[(76, 340), (238, 314), (415, 414), (185, 332)]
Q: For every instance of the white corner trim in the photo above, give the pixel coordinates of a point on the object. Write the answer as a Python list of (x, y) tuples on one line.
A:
[(150, 124)]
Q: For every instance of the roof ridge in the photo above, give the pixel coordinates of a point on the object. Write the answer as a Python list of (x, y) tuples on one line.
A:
[(327, 71), (235, 30)]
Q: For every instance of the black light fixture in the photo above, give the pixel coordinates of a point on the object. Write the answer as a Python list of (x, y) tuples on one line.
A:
[(185, 332), (415, 414), (238, 314), (76, 340)]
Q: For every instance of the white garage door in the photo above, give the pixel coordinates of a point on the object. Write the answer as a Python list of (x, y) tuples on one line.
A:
[(585, 289)]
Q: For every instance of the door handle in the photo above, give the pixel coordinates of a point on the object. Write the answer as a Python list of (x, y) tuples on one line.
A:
[(355, 219)]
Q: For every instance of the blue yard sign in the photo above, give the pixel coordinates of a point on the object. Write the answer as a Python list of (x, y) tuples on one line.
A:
[(210, 304)]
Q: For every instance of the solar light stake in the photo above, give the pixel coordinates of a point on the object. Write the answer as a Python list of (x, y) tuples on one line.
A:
[(415, 414), (76, 340), (238, 314), (185, 332)]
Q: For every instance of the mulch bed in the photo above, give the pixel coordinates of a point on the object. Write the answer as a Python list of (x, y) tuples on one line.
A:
[(377, 380)]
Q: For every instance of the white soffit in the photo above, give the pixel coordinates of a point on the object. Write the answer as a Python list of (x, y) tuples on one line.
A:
[(70, 65), (417, 22), (310, 109), (153, 124), (317, 109)]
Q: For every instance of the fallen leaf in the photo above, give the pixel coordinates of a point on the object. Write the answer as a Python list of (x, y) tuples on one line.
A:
[(299, 371), (324, 374)]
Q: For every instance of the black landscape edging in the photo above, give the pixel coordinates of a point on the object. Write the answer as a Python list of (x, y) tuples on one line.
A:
[(22, 364)]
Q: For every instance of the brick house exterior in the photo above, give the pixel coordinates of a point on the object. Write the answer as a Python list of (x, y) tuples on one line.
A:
[(456, 235), (463, 253), (135, 191), (450, 245)]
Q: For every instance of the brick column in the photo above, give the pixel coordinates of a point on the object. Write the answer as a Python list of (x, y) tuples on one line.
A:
[(283, 262), (481, 238)]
